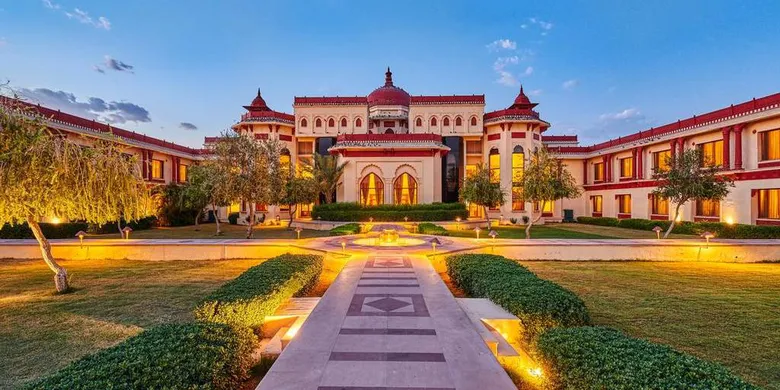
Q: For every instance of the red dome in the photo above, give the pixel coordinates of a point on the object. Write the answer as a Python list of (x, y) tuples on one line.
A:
[(389, 94), (258, 102), (522, 101)]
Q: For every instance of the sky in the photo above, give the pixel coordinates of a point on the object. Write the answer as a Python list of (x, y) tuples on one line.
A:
[(182, 70)]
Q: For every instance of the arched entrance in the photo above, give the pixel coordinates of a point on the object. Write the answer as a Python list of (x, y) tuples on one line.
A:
[(405, 189), (372, 190)]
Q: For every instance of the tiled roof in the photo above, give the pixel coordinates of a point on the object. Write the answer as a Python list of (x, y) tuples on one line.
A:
[(449, 99), (394, 141), (333, 100), (559, 138)]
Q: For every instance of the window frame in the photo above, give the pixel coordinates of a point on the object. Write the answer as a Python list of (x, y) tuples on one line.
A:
[(620, 203), (626, 163), (698, 206), (717, 150), (162, 169), (763, 211), (762, 152), (598, 171)]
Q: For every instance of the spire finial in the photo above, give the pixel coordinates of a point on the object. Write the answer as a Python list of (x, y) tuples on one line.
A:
[(521, 89), (388, 78), (258, 91)]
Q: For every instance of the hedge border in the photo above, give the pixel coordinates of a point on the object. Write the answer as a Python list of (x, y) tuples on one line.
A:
[(354, 212), (720, 229)]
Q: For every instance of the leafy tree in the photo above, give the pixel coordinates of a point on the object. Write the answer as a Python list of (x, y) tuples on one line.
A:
[(196, 192), (327, 172), (172, 208), (44, 174), (478, 188), (690, 177), (300, 189), (546, 180), (211, 180)]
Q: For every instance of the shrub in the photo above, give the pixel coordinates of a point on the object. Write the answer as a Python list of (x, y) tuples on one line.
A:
[(600, 221), (603, 358), (526, 219), (50, 230), (343, 230), (720, 229), (258, 292), (513, 220), (353, 212), (430, 228), (111, 227), (173, 356), (233, 218), (538, 303)]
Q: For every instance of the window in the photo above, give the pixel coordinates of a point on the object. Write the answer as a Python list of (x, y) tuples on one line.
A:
[(596, 203), (157, 169), (318, 122), (433, 121), (372, 190), (598, 171), (389, 131), (711, 153), (770, 145), (494, 164), (182, 173), (624, 204), (661, 160), (626, 167), (285, 162), (305, 147), (405, 189), (260, 207), (305, 209), (659, 205), (769, 203), (518, 163), (304, 122), (707, 208), (548, 207), (473, 121), (446, 121), (343, 122), (458, 121), (418, 122), (358, 122), (474, 147), (331, 122)]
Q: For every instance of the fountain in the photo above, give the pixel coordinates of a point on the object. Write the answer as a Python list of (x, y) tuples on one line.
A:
[(388, 236)]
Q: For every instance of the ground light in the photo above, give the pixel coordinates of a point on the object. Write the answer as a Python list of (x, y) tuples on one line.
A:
[(493, 235), (298, 231), (707, 236), (657, 231), (406, 219), (81, 234), (435, 242), (414, 227), (477, 229), (344, 246), (127, 231), (457, 223)]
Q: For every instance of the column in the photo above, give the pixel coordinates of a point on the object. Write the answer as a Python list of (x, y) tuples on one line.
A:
[(738, 145), (585, 172), (640, 163), (144, 165), (673, 147), (727, 147), (681, 144), (605, 162), (634, 163)]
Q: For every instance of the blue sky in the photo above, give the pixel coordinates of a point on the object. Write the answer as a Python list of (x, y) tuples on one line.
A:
[(599, 69)]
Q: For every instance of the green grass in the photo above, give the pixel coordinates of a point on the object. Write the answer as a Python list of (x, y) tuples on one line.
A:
[(207, 231), (726, 313), (541, 231), (41, 332)]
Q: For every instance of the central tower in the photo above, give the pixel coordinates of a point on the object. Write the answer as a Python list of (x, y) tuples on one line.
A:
[(388, 108)]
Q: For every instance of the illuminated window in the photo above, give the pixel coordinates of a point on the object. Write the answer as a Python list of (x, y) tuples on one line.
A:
[(305, 147), (446, 121), (770, 145), (596, 203), (494, 164), (157, 169), (405, 189), (304, 122), (285, 162), (372, 190), (473, 121), (659, 205), (458, 121), (418, 122), (518, 163), (598, 171), (261, 207), (548, 207), (305, 209), (624, 204), (474, 147), (661, 160), (183, 173), (433, 121), (358, 122), (318, 122), (331, 122), (769, 203), (707, 208), (470, 169), (626, 167), (711, 153)]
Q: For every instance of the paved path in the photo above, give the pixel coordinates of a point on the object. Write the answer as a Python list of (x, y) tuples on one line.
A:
[(387, 322)]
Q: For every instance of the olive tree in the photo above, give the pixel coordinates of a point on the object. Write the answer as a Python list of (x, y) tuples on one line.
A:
[(202, 189), (689, 178), (546, 180), (44, 174), (327, 172), (480, 189)]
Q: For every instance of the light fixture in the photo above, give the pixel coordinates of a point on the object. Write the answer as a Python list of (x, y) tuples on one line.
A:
[(371, 219), (729, 220), (344, 245), (435, 242), (477, 230), (406, 219), (55, 220), (457, 223), (493, 234), (126, 231), (81, 234), (657, 231), (298, 231), (707, 236)]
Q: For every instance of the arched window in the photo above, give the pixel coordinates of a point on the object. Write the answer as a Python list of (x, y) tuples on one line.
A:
[(518, 164), (372, 190), (433, 121), (318, 122), (445, 121), (358, 122), (285, 162), (418, 123), (304, 122), (405, 189), (331, 123), (494, 164), (458, 121), (473, 121), (389, 131), (343, 122)]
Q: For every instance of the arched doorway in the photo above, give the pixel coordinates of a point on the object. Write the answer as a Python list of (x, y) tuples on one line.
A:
[(372, 190), (405, 189)]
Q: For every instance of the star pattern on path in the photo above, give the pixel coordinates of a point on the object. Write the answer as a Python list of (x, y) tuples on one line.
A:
[(388, 304)]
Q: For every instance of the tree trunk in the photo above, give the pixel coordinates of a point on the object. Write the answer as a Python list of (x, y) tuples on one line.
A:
[(60, 274), (674, 220), (293, 208), (487, 216), (197, 220), (216, 218), (251, 221), (119, 227), (531, 221)]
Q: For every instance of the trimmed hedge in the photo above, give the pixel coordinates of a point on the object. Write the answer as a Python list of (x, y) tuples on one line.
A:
[(343, 230), (604, 358), (258, 292), (142, 224), (354, 212), (430, 228), (539, 304), (174, 356), (50, 230), (233, 218), (720, 229)]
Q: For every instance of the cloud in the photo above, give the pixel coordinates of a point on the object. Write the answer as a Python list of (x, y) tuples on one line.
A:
[(544, 26), (528, 71), (117, 65), (506, 77), (80, 15), (502, 44), (93, 107), (48, 4), (535, 92), (98, 69), (187, 126), (570, 84), (629, 114)]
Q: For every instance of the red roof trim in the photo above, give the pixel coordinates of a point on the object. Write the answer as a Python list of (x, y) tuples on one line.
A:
[(559, 138), (449, 99), (331, 100)]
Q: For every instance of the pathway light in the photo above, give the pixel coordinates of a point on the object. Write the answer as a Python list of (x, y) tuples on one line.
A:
[(477, 229), (657, 231), (707, 236), (298, 231), (81, 234), (127, 231), (435, 242)]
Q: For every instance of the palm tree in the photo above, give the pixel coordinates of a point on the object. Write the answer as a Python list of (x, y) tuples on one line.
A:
[(327, 172)]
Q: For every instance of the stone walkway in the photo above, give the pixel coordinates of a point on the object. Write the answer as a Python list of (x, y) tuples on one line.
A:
[(387, 322)]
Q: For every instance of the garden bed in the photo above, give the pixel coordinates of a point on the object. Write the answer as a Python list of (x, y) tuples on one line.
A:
[(354, 212)]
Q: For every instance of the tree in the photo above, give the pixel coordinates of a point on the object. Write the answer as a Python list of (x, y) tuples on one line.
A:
[(478, 188), (196, 192), (546, 180), (212, 180), (44, 174), (327, 172), (300, 189), (689, 177)]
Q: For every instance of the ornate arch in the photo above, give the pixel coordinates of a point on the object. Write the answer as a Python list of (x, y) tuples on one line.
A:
[(406, 189), (433, 121), (418, 122), (304, 122), (473, 120), (331, 122), (458, 121), (343, 122), (358, 122), (445, 121), (371, 186), (405, 168), (369, 169), (317, 121)]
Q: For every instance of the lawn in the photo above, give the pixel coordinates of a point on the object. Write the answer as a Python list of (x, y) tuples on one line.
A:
[(41, 332), (565, 230), (729, 313), (207, 231)]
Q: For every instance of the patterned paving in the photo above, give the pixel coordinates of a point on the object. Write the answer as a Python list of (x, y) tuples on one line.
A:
[(387, 322)]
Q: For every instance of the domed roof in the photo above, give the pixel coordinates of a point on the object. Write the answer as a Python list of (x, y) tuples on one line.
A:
[(389, 94), (258, 103), (522, 101)]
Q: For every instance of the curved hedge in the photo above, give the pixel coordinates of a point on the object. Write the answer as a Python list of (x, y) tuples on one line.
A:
[(539, 304), (604, 358), (343, 230), (354, 212), (721, 230), (430, 228), (174, 356), (258, 292)]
